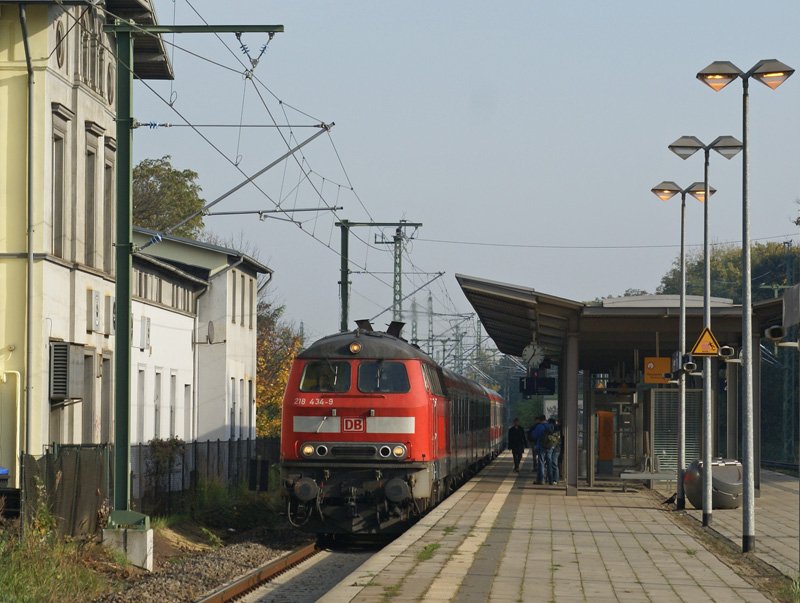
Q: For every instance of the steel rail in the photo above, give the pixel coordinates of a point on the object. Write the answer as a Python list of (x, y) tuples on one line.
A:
[(258, 576)]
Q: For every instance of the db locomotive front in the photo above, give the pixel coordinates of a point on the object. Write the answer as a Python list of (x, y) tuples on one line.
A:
[(374, 433)]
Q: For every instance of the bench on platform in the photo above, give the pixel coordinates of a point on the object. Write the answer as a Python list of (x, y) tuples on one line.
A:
[(651, 476)]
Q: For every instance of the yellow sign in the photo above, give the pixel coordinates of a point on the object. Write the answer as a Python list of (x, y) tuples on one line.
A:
[(706, 344), (655, 368)]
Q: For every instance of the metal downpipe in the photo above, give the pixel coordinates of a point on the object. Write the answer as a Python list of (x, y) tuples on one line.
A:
[(29, 301)]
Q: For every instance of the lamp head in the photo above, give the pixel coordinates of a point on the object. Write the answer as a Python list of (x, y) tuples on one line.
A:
[(727, 146), (719, 74), (666, 190), (686, 146), (698, 191), (771, 72)]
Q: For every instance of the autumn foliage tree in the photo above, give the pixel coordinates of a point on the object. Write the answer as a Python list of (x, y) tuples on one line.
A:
[(276, 347)]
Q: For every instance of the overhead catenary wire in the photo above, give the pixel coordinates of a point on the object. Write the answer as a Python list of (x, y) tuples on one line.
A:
[(305, 172), (591, 247), (112, 52), (251, 77)]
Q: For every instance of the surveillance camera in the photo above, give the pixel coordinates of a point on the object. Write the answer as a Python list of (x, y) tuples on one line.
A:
[(727, 351), (775, 333), (689, 366)]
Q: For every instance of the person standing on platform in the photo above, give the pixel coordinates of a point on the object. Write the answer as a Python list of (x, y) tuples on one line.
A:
[(517, 442), (552, 451), (538, 433)]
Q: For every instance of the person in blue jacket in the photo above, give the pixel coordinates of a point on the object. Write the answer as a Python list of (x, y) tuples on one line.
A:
[(538, 432)]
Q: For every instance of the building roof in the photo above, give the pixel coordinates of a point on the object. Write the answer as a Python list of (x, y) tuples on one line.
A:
[(189, 252), (193, 282), (150, 60)]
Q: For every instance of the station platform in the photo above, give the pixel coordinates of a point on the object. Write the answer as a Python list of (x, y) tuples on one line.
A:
[(777, 522), (502, 538)]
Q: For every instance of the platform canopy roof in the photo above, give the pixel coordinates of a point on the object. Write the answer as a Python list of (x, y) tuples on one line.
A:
[(616, 331)]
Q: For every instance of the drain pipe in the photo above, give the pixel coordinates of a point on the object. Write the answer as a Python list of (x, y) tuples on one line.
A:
[(29, 303)]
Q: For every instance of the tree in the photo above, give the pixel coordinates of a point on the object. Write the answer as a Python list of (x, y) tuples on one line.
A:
[(773, 267), (163, 196), (276, 347)]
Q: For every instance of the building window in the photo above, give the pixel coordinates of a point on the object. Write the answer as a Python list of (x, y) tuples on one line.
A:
[(107, 245), (157, 407), (140, 405), (58, 193), (61, 44), (233, 408), (233, 296), (60, 175), (173, 393), (243, 296), (251, 410), (90, 211), (241, 408), (188, 432), (252, 298)]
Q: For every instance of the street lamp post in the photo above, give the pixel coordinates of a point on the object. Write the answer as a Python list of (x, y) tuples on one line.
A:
[(685, 147), (717, 75), (665, 191)]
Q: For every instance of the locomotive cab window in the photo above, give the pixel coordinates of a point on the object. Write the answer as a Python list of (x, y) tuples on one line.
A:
[(380, 376), (325, 376)]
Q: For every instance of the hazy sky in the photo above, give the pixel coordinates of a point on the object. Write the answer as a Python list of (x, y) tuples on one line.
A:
[(524, 135)]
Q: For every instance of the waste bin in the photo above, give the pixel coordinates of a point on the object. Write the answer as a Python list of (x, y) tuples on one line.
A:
[(3, 477), (726, 484)]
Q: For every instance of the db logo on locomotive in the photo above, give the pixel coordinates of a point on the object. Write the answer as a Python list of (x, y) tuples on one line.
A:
[(354, 424)]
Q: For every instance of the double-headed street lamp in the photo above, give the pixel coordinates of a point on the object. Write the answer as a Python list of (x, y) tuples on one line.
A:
[(685, 147), (717, 75), (665, 191)]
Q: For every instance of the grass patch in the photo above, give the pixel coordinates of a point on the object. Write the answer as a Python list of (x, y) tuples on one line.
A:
[(428, 551), (213, 539), (40, 570), (691, 552), (161, 522), (391, 591), (38, 565), (792, 591), (449, 530)]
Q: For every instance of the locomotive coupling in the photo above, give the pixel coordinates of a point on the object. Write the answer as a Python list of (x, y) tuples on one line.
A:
[(397, 490), (305, 489)]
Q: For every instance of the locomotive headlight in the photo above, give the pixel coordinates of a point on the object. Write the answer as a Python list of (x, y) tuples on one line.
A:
[(307, 450), (355, 347), (399, 451)]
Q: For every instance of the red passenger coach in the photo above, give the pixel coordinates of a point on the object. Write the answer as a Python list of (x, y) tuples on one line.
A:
[(375, 433)]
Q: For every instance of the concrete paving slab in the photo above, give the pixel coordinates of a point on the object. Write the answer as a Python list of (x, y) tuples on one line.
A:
[(602, 545)]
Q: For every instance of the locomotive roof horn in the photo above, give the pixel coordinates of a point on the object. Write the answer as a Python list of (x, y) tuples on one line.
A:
[(395, 328), (365, 325)]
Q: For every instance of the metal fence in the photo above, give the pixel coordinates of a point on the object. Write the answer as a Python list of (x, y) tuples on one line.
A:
[(72, 483), (75, 482), (163, 484)]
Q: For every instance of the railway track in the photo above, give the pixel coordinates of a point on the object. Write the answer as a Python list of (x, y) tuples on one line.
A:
[(261, 575)]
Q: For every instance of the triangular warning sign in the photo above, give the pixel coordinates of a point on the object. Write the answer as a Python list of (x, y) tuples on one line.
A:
[(706, 344)]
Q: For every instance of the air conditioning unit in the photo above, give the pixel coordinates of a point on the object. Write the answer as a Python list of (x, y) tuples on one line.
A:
[(66, 371)]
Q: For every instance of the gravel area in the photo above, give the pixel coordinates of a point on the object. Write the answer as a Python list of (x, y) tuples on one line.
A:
[(189, 578)]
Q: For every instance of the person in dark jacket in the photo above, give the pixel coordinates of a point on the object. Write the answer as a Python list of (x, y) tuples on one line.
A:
[(517, 442)]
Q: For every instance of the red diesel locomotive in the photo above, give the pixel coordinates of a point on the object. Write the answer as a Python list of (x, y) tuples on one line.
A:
[(375, 434)]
